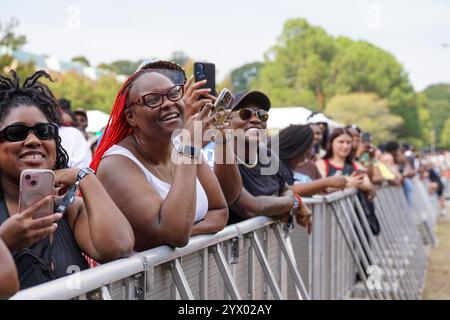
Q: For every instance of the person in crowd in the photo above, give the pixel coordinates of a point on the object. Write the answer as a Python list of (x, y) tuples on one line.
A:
[(44, 248), (308, 167), (338, 161), (389, 169), (404, 167), (260, 194), (321, 121), (82, 121), (68, 118), (295, 144), (8, 273), (363, 153), (72, 139), (159, 181), (434, 177)]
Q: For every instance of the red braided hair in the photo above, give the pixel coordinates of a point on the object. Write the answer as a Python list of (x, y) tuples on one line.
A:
[(118, 127)]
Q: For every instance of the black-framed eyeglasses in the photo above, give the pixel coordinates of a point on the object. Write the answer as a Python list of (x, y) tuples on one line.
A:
[(247, 113), (19, 132), (155, 99)]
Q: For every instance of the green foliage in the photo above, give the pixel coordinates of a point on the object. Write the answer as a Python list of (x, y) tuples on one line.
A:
[(242, 77), (296, 67), (426, 125), (179, 57), (124, 67), (367, 110), (81, 59), (307, 67), (84, 92), (7, 36), (10, 41), (438, 105), (445, 135)]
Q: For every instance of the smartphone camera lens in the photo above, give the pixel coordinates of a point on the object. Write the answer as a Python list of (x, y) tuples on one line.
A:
[(33, 182), (28, 177), (200, 73)]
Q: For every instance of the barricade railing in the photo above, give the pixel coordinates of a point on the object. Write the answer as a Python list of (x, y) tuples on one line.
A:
[(425, 208), (446, 182), (259, 259)]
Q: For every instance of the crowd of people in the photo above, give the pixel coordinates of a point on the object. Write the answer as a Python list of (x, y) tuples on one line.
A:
[(152, 181)]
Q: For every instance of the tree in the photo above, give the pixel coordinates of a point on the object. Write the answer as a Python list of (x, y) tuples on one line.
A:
[(426, 125), (296, 67), (438, 105), (367, 110), (84, 92), (82, 60), (9, 41), (242, 77), (307, 67), (445, 136), (179, 57), (125, 67)]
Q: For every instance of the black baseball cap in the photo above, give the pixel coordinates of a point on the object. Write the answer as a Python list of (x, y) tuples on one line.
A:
[(81, 111), (255, 97)]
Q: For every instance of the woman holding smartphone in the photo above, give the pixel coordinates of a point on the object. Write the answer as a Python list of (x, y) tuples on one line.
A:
[(338, 161), (44, 248), (161, 183)]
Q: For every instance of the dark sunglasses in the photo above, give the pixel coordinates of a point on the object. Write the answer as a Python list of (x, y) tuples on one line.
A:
[(155, 99), (19, 132), (246, 114)]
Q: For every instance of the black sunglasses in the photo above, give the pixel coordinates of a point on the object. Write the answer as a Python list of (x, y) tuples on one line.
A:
[(247, 113), (19, 132)]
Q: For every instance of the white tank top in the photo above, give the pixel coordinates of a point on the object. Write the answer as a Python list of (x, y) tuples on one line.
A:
[(161, 186)]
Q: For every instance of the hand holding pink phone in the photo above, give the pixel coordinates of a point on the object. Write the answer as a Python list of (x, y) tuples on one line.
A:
[(36, 184)]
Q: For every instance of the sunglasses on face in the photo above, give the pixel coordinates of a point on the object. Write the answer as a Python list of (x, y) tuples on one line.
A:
[(246, 114), (156, 99), (19, 132)]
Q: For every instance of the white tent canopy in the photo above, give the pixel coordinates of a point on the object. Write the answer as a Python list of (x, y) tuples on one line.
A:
[(280, 118), (97, 120)]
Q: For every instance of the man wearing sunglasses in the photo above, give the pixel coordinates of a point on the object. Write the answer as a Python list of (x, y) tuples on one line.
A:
[(261, 194)]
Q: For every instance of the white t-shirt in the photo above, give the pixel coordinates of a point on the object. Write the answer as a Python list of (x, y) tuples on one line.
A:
[(76, 146), (162, 187)]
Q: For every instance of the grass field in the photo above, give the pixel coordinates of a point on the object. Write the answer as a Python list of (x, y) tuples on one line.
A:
[(438, 277)]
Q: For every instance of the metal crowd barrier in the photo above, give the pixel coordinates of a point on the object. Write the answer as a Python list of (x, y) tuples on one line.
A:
[(259, 259), (425, 208), (446, 182)]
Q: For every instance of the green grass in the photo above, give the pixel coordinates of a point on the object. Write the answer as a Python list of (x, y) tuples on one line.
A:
[(438, 277)]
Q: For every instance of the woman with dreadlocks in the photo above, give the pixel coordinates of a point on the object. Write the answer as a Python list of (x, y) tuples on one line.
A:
[(44, 248), (161, 183), (295, 143)]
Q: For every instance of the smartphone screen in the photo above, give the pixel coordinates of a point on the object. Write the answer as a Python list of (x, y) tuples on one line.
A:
[(366, 137), (225, 101), (36, 184), (206, 71)]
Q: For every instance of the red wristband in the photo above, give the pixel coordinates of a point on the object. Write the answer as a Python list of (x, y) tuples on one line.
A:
[(299, 199)]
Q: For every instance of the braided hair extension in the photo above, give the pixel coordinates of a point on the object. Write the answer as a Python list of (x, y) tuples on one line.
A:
[(118, 127), (35, 94)]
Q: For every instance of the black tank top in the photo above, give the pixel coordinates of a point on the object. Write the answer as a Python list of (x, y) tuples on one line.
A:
[(62, 255), (332, 170)]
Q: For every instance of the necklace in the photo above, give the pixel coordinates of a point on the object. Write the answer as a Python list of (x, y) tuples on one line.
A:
[(250, 165), (148, 160)]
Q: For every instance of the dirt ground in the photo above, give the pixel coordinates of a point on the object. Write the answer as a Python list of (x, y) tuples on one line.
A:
[(438, 277)]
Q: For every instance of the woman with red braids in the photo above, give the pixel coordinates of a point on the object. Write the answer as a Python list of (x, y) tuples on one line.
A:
[(167, 196)]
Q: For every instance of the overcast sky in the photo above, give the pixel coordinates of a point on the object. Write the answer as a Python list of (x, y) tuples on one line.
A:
[(233, 32)]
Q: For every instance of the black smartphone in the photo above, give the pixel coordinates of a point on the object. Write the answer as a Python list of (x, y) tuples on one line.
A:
[(366, 137), (206, 71)]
